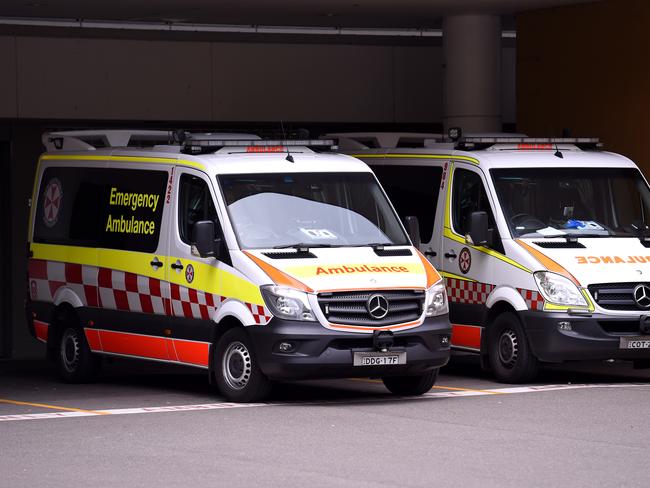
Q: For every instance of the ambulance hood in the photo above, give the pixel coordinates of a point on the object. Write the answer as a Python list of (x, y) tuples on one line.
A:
[(346, 268), (602, 260)]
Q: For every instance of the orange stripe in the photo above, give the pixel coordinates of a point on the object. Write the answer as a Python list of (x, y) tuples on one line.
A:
[(133, 344), (432, 275), (389, 327), (547, 262), (369, 288), (41, 329), (466, 336), (92, 336), (279, 277), (192, 352)]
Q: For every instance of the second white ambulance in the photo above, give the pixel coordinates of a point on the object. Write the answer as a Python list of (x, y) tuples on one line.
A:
[(543, 243)]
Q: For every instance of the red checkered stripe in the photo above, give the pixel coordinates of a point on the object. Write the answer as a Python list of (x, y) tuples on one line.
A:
[(533, 299), (120, 290), (469, 292), (260, 314)]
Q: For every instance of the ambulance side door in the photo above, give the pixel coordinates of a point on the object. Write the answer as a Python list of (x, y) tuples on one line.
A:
[(132, 294), (468, 268), (414, 190), (195, 282)]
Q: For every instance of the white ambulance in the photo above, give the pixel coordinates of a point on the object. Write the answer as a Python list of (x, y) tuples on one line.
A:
[(543, 243), (256, 260)]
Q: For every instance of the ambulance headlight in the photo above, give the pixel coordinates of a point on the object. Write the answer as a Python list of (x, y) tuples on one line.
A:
[(436, 300), (287, 303), (559, 290)]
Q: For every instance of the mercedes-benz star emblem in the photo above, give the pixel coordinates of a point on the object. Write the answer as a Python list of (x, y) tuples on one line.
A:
[(641, 296), (377, 306)]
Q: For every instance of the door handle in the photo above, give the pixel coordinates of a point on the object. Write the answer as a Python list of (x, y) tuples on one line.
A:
[(177, 265), (156, 263), (430, 252), (451, 254)]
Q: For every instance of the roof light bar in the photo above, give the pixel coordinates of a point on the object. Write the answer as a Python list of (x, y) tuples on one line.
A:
[(527, 143), (203, 146), (257, 142), (532, 140)]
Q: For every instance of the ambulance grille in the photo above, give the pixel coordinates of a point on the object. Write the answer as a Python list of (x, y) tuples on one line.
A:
[(350, 307), (615, 296)]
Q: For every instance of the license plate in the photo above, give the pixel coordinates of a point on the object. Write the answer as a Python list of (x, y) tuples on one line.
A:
[(640, 342), (379, 358)]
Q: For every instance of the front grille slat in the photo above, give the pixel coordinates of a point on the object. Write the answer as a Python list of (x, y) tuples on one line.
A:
[(350, 307), (616, 296), (346, 309)]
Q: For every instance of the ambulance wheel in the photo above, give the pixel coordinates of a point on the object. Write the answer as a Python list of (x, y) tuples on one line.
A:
[(237, 374), (511, 358), (75, 361), (411, 385)]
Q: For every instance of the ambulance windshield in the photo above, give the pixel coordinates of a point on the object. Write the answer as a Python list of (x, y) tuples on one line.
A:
[(554, 202), (311, 209)]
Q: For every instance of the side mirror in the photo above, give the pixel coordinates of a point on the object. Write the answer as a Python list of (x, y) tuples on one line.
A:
[(478, 229), (413, 229), (203, 240)]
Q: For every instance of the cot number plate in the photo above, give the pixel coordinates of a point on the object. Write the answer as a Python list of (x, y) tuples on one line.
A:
[(379, 358), (637, 342)]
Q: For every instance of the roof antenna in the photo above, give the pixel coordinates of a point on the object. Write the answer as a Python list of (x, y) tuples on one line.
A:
[(284, 136), (566, 132)]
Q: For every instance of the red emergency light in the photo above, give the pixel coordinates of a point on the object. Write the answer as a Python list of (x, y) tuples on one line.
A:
[(265, 149), (535, 146)]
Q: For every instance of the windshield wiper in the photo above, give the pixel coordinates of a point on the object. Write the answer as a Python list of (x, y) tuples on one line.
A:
[(376, 245), (571, 237), (303, 245)]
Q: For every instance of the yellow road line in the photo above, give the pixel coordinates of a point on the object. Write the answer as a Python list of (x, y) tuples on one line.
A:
[(439, 387), (54, 407), (456, 388)]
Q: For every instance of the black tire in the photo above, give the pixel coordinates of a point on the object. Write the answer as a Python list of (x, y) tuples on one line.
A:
[(75, 362), (411, 385), (510, 356), (236, 372)]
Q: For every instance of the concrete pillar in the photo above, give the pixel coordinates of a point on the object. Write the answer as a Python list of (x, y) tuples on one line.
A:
[(472, 49)]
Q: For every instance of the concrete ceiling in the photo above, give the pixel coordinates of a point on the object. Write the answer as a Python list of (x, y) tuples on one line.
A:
[(331, 13)]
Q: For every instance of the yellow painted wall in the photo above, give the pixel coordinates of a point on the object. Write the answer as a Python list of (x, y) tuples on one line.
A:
[(587, 68)]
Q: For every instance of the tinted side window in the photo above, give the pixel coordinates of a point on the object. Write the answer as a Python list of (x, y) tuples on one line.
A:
[(100, 207), (195, 204), (414, 191), (468, 196)]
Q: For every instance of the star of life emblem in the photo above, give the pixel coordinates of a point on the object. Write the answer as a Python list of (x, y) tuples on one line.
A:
[(52, 202)]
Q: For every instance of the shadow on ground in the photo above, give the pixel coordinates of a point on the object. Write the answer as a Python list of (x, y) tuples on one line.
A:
[(126, 377)]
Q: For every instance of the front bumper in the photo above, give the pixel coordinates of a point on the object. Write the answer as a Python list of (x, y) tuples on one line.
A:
[(592, 337), (325, 353)]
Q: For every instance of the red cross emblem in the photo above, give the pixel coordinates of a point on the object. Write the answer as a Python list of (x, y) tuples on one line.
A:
[(465, 260), (52, 202), (189, 273)]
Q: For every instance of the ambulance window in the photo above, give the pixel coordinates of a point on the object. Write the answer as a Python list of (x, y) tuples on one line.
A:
[(413, 190), (195, 204), (100, 207), (468, 196)]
